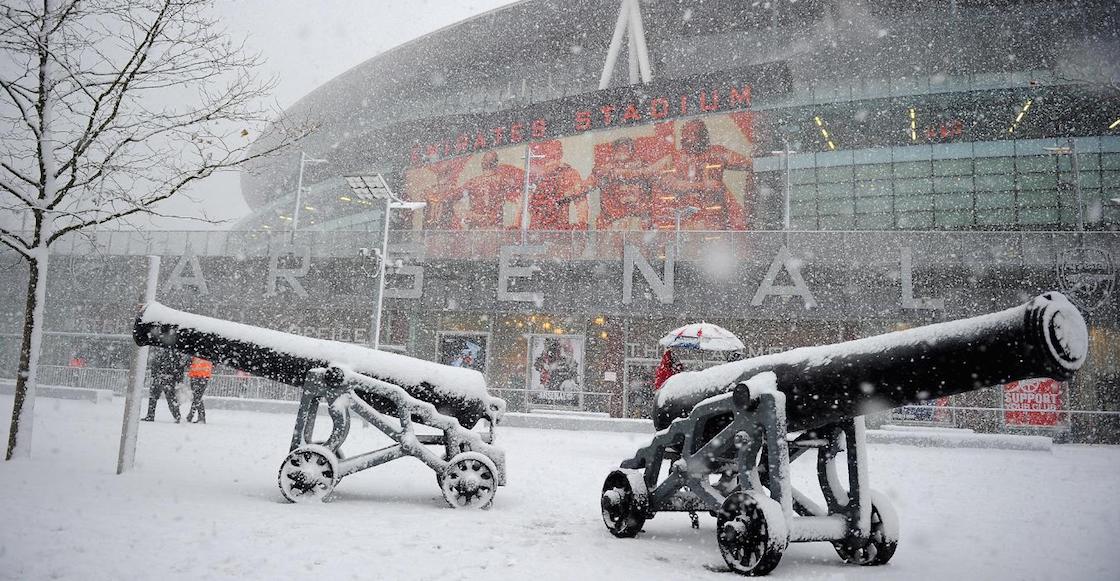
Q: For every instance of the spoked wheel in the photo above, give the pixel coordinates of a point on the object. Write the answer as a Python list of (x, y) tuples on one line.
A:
[(624, 502), (308, 474), (751, 543), (469, 481), (884, 538)]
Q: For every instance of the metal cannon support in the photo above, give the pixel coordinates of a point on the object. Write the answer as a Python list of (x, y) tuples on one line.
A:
[(729, 455), (468, 472), (394, 393)]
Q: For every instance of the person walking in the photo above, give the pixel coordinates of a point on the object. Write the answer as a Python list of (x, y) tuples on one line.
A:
[(200, 372), (167, 371)]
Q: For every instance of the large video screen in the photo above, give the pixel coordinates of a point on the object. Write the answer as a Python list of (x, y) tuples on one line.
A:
[(637, 177)]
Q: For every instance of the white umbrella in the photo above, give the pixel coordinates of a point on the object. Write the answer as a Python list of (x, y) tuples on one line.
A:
[(703, 336)]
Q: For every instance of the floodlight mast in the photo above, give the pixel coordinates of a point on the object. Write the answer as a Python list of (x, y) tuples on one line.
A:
[(375, 186)]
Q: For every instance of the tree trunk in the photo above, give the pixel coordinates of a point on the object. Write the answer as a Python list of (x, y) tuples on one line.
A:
[(27, 379)]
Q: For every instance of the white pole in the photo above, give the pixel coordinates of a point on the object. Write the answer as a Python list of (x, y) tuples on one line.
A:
[(130, 425), (616, 46), (299, 192), (632, 57), (1075, 170), (638, 32), (375, 340)]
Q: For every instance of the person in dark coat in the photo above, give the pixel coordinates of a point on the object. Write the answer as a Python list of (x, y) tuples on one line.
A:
[(167, 371)]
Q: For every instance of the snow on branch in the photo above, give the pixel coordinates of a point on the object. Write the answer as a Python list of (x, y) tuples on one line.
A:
[(112, 106)]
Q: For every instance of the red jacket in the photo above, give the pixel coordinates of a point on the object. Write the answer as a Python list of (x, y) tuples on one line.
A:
[(665, 370)]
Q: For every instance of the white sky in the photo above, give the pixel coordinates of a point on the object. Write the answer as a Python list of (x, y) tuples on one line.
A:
[(306, 44)]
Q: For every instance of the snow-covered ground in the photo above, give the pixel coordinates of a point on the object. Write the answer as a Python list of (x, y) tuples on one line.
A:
[(202, 503)]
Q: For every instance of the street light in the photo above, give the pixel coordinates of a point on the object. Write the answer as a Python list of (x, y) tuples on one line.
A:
[(1071, 150), (785, 152), (303, 160), (685, 212), (373, 187)]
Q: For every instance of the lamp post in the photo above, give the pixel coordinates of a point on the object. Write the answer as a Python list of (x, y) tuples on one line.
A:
[(374, 186), (303, 160), (685, 212), (529, 157), (785, 153), (1071, 150)]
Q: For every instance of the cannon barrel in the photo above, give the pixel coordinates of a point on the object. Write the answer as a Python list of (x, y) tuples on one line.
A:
[(1045, 337), (284, 357)]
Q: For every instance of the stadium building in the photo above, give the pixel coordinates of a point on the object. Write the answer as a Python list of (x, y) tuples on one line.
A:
[(595, 173)]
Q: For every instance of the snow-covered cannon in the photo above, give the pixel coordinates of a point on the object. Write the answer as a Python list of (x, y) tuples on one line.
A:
[(727, 434), (390, 391)]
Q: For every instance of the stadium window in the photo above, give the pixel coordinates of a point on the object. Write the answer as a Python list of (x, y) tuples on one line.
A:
[(1035, 164), (1038, 216), (873, 188), (995, 217), (952, 167), (995, 165), (995, 183), (915, 220), (1110, 161), (879, 205), (873, 171), (1038, 181), (990, 200), (913, 187), (913, 203), (912, 169), (955, 219), (952, 183), (946, 202), (875, 221)]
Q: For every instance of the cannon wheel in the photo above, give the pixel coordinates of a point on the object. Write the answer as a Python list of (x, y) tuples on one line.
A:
[(884, 537), (624, 502), (750, 541), (469, 481), (309, 473)]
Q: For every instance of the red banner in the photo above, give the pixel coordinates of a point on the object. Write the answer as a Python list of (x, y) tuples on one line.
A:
[(1032, 402)]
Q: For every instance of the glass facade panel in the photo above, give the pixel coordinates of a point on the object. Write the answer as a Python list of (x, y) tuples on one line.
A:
[(1039, 216), (802, 176), (954, 167), (874, 171), (953, 183), (953, 201), (995, 217), (875, 221), (1036, 181), (1037, 198), (1039, 164), (995, 200), (835, 207), (955, 219), (915, 220), (832, 191), (913, 203), (1109, 179), (995, 182), (837, 223), (995, 165), (873, 205), (1110, 161), (913, 187), (834, 174), (873, 188), (912, 169)]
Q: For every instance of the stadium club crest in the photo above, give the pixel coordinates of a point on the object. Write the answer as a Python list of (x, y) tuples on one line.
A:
[(1086, 276)]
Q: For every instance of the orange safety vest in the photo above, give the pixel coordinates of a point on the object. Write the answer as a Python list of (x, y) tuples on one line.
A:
[(200, 368)]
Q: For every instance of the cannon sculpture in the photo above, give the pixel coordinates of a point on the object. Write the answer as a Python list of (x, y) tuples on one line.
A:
[(390, 391), (727, 434)]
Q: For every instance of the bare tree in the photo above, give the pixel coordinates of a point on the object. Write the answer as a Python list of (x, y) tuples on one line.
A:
[(107, 108)]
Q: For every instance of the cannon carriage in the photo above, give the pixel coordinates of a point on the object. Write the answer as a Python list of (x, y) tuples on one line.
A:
[(728, 434), (394, 393)]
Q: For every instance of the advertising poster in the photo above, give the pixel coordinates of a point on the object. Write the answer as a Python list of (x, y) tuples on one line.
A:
[(464, 350), (1032, 402), (556, 370), (628, 178)]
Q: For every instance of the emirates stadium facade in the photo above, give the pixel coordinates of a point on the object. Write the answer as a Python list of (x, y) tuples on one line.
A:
[(796, 172)]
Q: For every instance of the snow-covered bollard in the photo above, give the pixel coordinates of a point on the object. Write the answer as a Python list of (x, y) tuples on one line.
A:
[(728, 433), (392, 392)]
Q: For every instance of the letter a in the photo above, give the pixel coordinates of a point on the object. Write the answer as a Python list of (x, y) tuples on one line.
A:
[(798, 288)]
